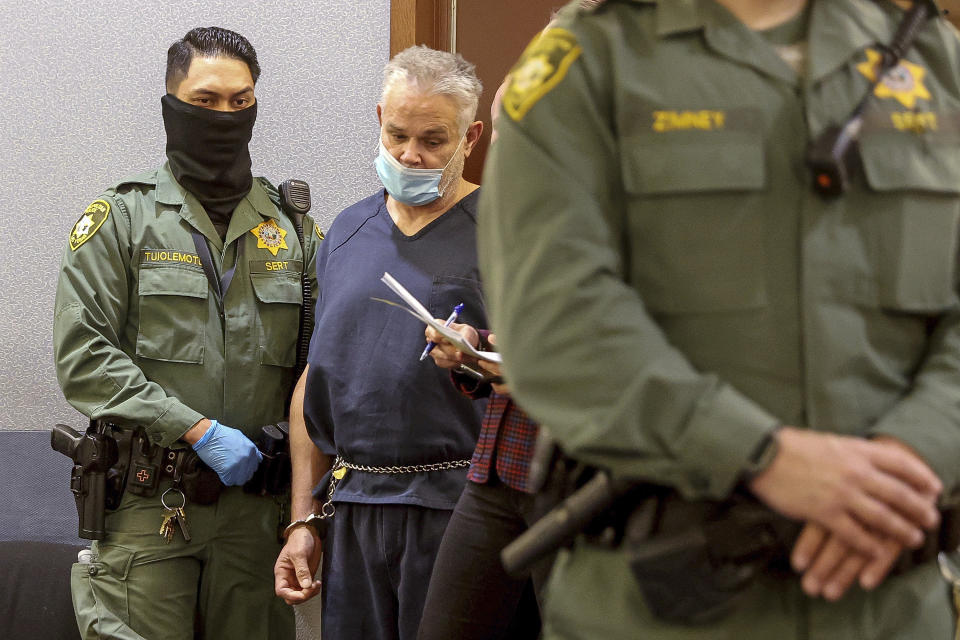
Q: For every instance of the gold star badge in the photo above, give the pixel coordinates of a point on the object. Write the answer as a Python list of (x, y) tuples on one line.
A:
[(904, 82), (270, 236), (91, 220)]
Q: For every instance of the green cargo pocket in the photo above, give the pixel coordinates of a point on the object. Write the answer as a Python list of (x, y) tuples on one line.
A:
[(914, 234), (279, 297), (695, 219), (100, 599), (173, 313)]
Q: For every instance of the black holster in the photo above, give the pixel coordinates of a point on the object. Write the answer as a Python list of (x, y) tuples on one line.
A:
[(273, 475), (693, 561), (95, 480), (199, 483)]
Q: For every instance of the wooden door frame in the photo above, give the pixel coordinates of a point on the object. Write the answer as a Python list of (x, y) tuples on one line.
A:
[(429, 22)]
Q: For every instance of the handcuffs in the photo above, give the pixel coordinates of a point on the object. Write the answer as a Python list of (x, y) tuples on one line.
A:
[(317, 522)]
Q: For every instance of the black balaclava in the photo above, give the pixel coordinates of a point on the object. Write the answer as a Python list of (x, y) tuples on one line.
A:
[(209, 156)]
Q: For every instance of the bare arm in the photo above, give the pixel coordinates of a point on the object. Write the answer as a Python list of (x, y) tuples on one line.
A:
[(300, 557)]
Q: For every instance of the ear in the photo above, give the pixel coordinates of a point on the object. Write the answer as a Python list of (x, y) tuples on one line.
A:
[(472, 137), (380, 114)]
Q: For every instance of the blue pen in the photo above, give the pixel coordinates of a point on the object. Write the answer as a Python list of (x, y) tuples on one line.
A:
[(430, 345)]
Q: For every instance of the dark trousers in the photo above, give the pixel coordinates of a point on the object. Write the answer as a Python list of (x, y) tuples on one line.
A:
[(470, 595), (377, 560)]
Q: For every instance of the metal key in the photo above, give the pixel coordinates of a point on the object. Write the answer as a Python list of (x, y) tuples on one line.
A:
[(173, 517), (181, 519), (168, 526)]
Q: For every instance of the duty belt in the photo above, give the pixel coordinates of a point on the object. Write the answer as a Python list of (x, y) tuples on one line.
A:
[(146, 474), (743, 530)]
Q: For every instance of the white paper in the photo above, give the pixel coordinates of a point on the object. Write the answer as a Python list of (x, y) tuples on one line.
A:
[(419, 311)]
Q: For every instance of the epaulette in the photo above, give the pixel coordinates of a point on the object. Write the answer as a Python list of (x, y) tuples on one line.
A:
[(147, 178), (272, 192)]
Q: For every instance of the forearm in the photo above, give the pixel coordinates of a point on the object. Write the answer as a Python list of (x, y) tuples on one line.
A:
[(927, 419), (308, 463)]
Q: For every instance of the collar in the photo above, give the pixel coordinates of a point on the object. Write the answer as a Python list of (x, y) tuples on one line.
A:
[(678, 16), (839, 29), (249, 213)]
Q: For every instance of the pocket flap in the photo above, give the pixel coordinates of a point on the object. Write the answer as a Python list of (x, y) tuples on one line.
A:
[(899, 161), (277, 287), (682, 161), (173, 281)]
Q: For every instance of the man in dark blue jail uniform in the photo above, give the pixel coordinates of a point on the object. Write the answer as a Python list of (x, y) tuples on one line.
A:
[(397, 435)]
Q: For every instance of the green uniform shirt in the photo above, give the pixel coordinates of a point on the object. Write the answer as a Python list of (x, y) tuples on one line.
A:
[(665, 285), (138, 337)]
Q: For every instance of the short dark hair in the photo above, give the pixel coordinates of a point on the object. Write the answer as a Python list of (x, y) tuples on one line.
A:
[(208, 42)]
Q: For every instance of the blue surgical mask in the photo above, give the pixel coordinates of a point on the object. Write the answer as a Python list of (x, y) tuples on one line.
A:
[(415, 187)]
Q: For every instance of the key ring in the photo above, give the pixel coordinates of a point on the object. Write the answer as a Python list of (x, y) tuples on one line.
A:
[(163, 499)]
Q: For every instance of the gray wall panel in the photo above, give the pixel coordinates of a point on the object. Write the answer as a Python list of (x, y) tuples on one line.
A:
[(80, 88)]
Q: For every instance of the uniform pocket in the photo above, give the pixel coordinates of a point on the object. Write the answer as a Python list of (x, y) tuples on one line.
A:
[(696, 220), (279, 297), (99, 592), (173, 314), (914, 229)]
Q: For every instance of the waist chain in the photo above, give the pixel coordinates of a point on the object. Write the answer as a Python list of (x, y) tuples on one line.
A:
[(340, 467), (412, 468)]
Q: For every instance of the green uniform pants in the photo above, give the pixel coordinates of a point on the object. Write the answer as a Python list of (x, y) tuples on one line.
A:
[(138, 586), (592, 594)]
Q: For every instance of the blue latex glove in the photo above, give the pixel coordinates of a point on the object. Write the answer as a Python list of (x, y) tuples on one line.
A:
[(228, 452)]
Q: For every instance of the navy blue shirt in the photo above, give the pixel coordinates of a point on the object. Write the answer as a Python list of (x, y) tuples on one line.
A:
[(368, 397)]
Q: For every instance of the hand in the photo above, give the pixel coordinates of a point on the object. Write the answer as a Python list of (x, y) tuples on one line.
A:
[(296, 565), (228, 452), (445, 355), (493, 368), (830, 566), (863, 491)]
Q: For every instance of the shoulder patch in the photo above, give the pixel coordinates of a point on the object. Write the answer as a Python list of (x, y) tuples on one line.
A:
[(91, 220), (316, 228), (542, 66)]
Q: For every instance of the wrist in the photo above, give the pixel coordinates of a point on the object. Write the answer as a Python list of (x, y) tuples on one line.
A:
[(313, 522), (762, 457), (197, 432)]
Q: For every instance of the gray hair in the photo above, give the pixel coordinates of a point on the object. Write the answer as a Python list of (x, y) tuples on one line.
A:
[(433, 72)]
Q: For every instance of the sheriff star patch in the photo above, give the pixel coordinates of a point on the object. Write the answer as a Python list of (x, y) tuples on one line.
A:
[(904, 82), (270, 236), (542, 66), (91, 220)]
